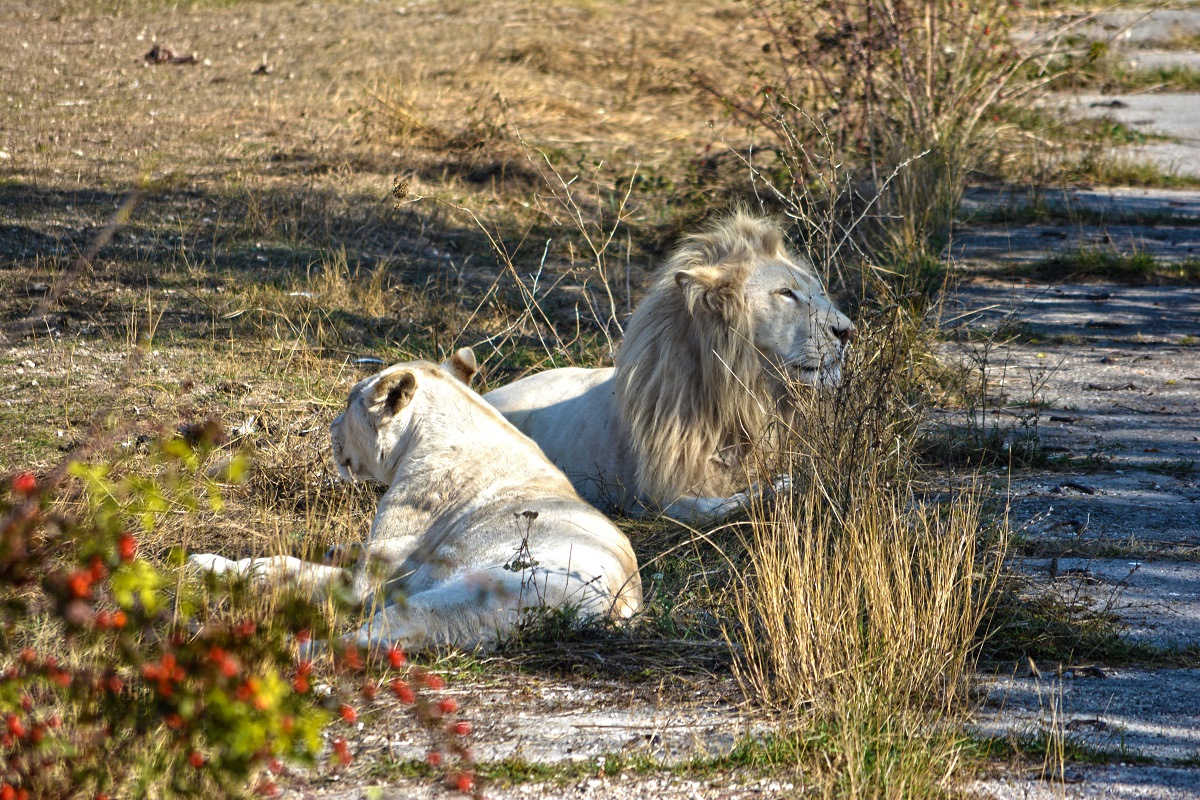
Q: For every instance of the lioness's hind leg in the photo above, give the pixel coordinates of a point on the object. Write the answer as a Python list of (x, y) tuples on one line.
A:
[(481, 608), (469, 612)]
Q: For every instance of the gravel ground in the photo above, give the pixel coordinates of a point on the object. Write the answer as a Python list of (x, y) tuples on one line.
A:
[(1110, 374)]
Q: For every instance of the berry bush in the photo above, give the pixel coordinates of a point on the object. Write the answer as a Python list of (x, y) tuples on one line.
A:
[(154, 684)]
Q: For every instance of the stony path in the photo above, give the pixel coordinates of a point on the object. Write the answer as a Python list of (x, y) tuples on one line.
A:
[(1147, 39), (1109, 375)]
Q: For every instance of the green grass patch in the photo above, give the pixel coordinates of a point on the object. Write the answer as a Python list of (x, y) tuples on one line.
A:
[(1175, 468), (1049, 747), (1065, 630), (1015, 332), (1116, 76), (971, 446), (1129, 549), (1092, 264), (1103, 167), (755, 754), (1037, 210)]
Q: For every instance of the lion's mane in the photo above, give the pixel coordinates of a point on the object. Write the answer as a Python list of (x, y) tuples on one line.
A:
[(689, 381)]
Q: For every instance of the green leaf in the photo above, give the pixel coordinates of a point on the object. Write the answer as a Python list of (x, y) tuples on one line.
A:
[(138, 582)]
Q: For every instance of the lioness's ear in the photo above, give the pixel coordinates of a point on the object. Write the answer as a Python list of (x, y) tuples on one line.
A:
[(708, 289), (462, 364), (395, 391)]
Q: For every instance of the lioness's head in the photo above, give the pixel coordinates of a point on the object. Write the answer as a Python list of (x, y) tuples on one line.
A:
[(740, 275), (369, 435)]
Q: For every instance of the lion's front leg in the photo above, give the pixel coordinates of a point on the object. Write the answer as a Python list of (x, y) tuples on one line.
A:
[(703, 510)]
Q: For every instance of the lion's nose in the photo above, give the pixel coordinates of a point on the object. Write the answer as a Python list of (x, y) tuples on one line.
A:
[(845, 334)]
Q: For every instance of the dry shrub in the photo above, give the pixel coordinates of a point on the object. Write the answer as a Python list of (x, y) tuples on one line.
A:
[(862, 593), (899, 99)]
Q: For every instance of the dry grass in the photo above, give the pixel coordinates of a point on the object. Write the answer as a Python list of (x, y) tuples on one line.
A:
[(859, 604), (884, 108)]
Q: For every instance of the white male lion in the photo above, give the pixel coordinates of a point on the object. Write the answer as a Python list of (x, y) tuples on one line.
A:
[(731, 319), (476, 528)]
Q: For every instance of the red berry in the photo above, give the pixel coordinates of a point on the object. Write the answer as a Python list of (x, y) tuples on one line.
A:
[(351, 659), (349, 714), (126, 547), (396, 657), (303, 636), (15, 726), (464, 783), (403, 691), (196, 760), (80, 583), (97, 569), (448, 705), (434, 759), (7, 792), (462, 727), (369, 690), (435, 682), (25, 483), (275, 765), (101, 796), (119, 619)]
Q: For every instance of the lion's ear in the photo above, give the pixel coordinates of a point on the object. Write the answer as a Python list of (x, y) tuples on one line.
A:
[(462, 364), (395, 391), (708, 289)]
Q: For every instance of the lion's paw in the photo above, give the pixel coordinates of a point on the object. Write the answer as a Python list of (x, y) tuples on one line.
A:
[(782, 484)]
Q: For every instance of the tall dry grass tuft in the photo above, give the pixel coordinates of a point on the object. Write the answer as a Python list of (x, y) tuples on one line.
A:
[(858, 607), (886, 107)]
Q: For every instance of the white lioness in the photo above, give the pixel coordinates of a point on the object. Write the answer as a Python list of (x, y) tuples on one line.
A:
[(476, 528), (731, 319)]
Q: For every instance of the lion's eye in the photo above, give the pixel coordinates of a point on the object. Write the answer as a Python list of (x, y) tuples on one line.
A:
[(790, 294)]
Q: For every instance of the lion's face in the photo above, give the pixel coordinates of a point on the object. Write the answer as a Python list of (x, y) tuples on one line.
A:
[(373, 425), (795, 324)]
